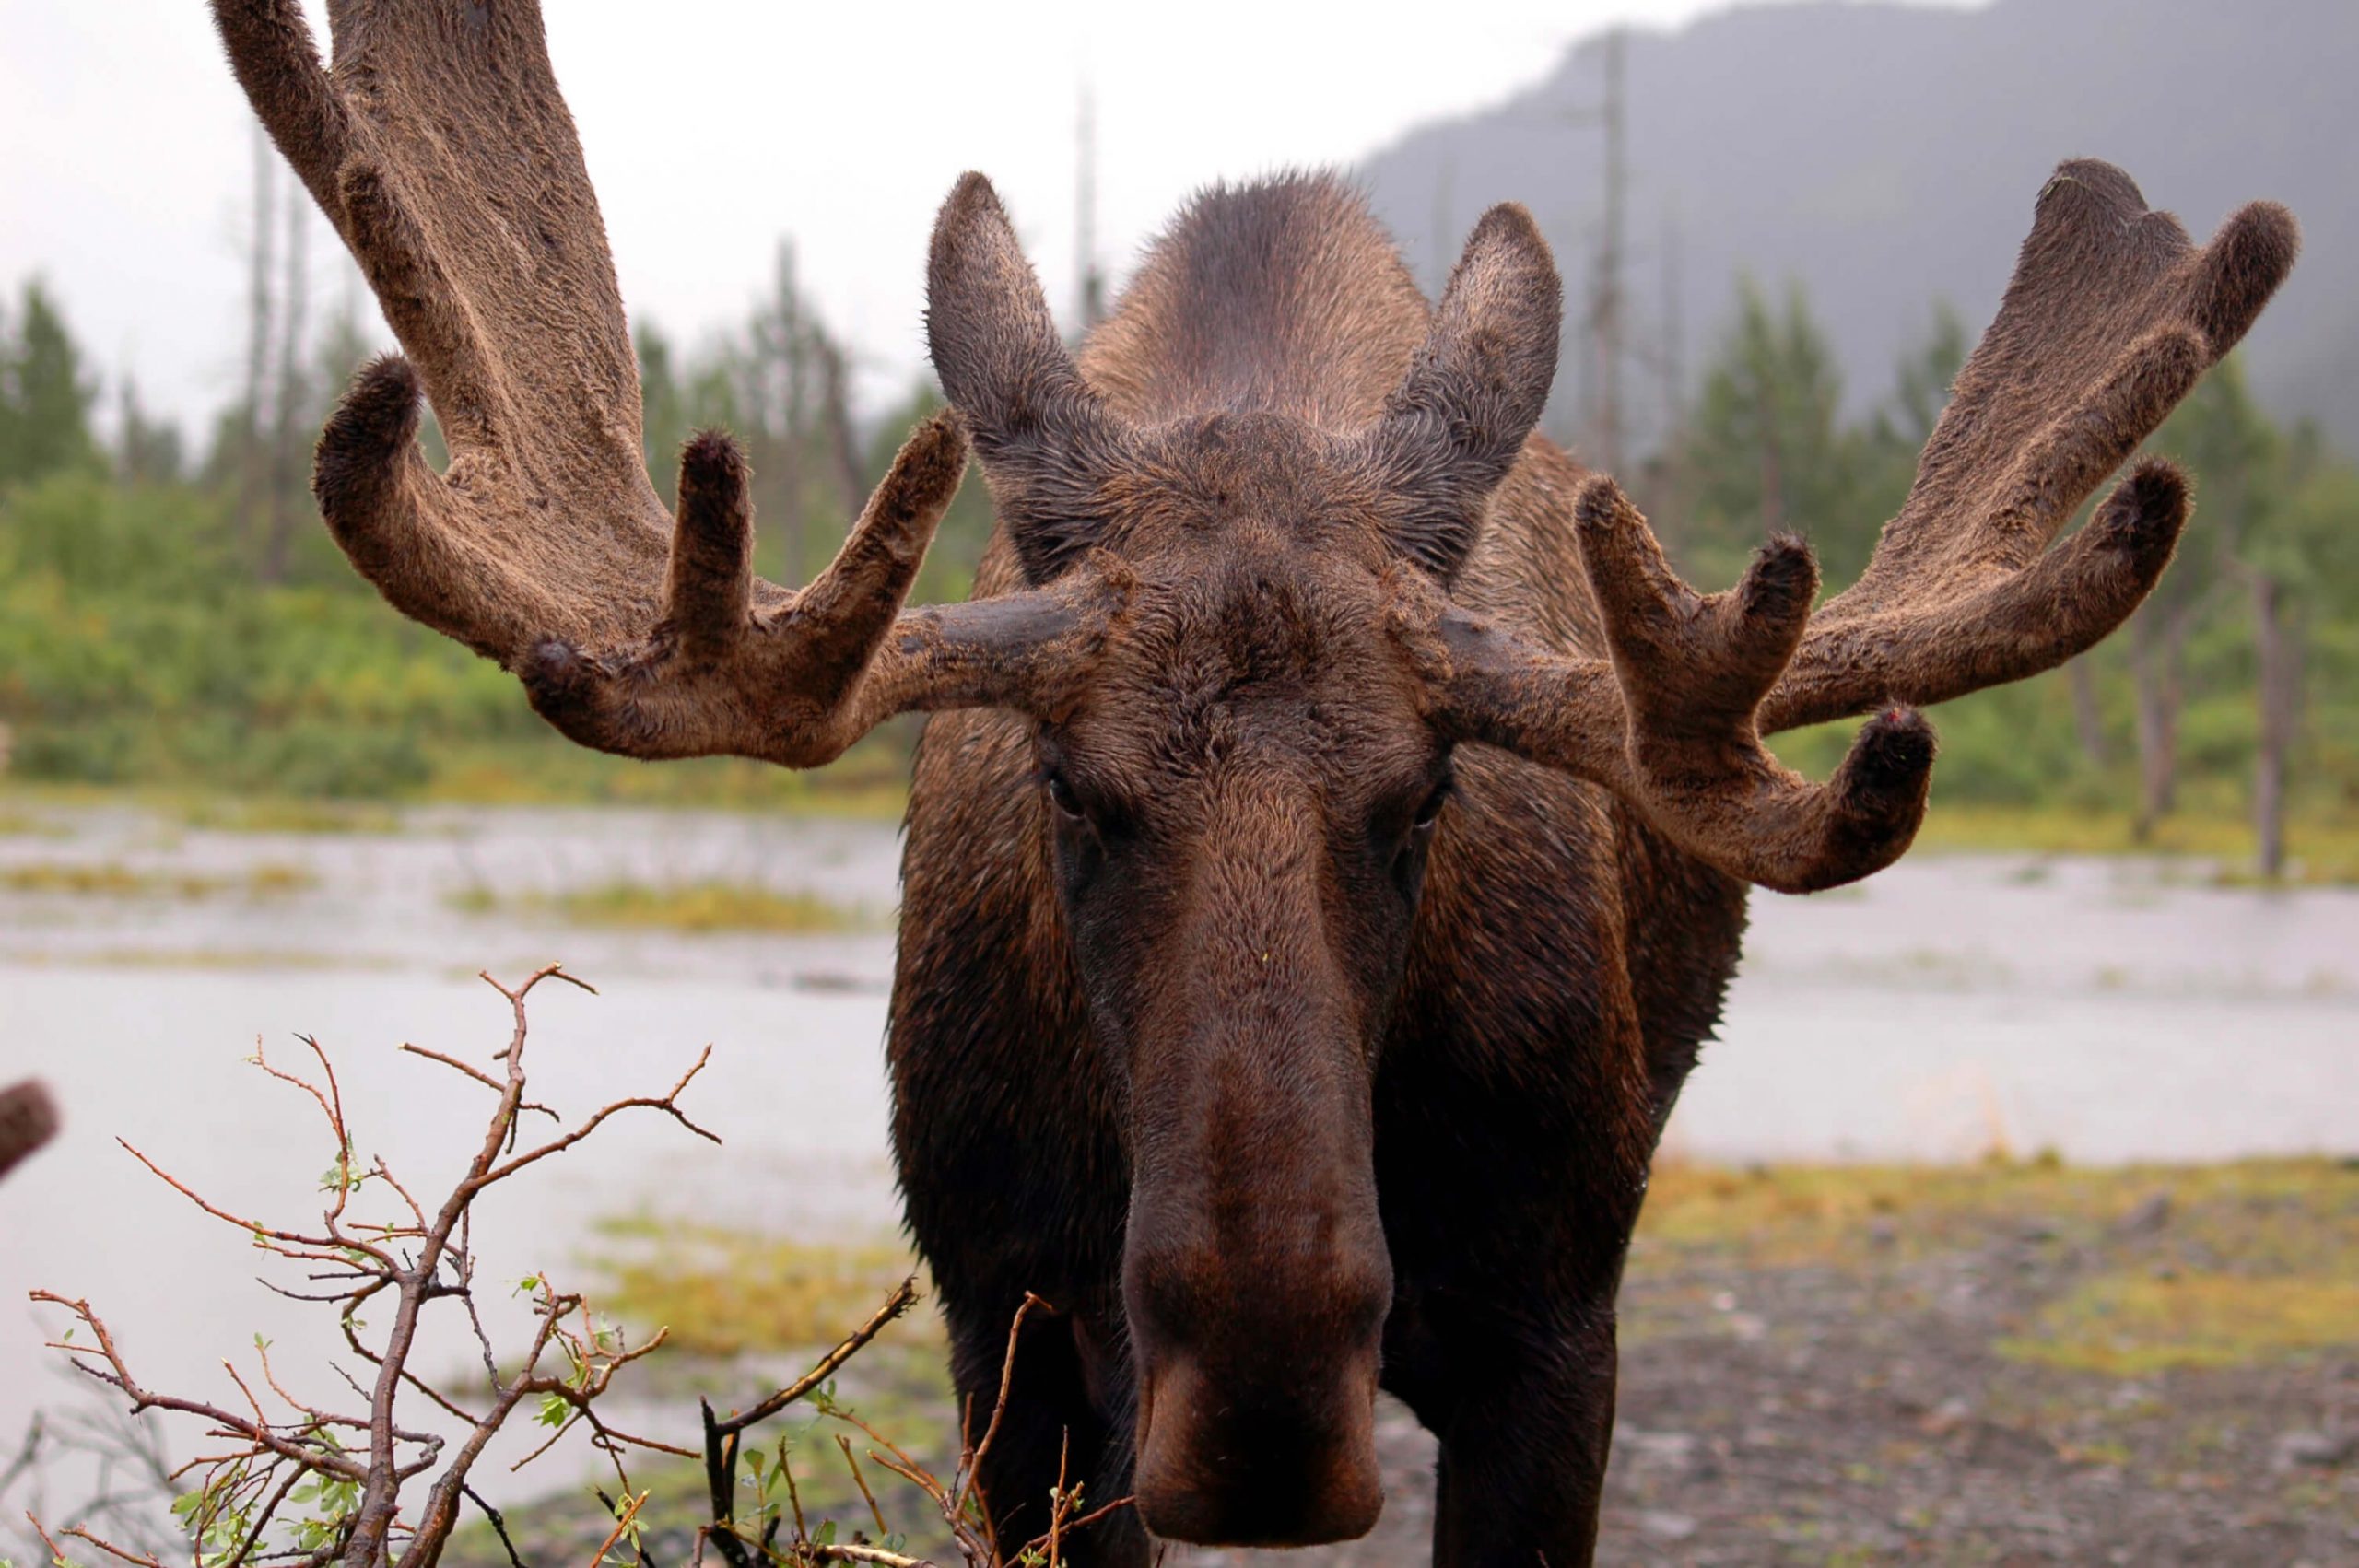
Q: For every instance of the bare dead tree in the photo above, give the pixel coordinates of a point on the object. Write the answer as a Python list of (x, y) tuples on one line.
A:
[(834, 396), (2088, 718), (300, 1485), (290, 398), (351, 1471), (958, 1500), (251, 476), (2277, 647), (117, 1457)]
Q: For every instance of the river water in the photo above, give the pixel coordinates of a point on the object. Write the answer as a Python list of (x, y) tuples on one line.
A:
[(2107, 1010)]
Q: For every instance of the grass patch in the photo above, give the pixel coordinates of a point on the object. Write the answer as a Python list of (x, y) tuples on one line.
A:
[(2268, 1214), (29, 825), (2135, 1324), (2323, 851), (107, 879), (722, 1292), (2225, 1266), (287, 814), (869, 783), (694, 907)]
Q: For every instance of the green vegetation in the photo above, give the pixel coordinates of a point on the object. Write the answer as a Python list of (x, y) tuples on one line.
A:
[(725, 1292), (691, 907), (2234, 687), (109, 879), (2249, 1261), (183, 627), (2134, 1324)]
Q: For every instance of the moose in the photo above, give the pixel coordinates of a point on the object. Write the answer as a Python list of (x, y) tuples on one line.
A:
[(1330, 844)]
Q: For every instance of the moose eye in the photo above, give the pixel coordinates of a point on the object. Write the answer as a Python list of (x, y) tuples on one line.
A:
[(1060, 795), (1429, 810)]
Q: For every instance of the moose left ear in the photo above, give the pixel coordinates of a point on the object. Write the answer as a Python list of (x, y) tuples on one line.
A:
[(1453, 428), (1042, 435)]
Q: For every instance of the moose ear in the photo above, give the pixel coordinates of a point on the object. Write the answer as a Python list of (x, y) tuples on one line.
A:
[(1042, 435), (1455, 427)]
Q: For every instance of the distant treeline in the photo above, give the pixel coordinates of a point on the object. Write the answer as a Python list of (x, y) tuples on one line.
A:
[(171, 613)]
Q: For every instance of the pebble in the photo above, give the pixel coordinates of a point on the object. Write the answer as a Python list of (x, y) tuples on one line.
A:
[(2324, 1450), (1663, 1525)]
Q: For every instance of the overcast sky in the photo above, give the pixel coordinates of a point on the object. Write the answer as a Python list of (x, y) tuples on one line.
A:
[(713, 126)]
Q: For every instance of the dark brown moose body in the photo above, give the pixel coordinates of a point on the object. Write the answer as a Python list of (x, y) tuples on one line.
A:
[(1501, 1107), (1331, 843)]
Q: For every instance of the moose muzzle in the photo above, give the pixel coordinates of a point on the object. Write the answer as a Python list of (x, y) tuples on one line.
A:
[(1256, 1283)]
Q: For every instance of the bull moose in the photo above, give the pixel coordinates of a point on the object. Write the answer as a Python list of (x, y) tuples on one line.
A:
[(1332, 841)]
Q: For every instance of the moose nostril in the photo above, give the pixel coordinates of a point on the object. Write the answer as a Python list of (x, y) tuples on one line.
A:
[(1224, 1465)]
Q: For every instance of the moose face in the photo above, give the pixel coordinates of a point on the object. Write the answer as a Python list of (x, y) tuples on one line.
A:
[(1239, 807), (1239, 793)]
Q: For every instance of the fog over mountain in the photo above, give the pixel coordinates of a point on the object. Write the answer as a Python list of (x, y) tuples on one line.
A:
[(1887, 157)]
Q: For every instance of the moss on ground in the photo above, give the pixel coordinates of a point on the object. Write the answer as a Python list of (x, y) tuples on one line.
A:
[(110, 879), (691, 908)]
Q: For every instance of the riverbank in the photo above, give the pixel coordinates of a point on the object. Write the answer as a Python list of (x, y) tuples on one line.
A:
[(870, 784), (2012, 1362)]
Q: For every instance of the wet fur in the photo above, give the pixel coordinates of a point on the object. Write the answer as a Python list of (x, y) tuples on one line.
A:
[(1562, 970)]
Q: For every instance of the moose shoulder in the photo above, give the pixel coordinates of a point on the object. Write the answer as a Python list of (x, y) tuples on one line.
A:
[(1332, 842)]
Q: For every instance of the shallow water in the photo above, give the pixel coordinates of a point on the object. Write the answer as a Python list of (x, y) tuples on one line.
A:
[(2107, 1010)]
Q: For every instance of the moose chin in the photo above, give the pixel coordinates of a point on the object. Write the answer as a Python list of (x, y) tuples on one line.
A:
[(1330, 843)]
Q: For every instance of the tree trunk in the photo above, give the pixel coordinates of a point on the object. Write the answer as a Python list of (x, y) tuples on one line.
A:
[(2086, 717), (2155, 660), (842, 444), (286, 494), (253, 462), (2278, 654)]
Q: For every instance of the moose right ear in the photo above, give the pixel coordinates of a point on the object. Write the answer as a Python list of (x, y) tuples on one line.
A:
[(1456, 425), (1042, 435)]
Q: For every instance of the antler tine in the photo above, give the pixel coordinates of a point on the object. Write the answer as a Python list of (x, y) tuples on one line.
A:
[(715, 676), (2111, 317), (275, 59), (1668, 722)]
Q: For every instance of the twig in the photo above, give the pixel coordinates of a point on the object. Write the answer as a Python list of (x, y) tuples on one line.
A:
[(861, 1482), (904, 1296)]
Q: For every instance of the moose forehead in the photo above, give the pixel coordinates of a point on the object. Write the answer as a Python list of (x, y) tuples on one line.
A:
[(1260, 653), (1235, 482)]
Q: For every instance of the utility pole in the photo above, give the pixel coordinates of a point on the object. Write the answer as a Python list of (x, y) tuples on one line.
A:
[(1606, 311), (1604, 322), (286, 432), (251, 462), (1671, 449), (1089, 283), (1445, 220), (1674, 334)]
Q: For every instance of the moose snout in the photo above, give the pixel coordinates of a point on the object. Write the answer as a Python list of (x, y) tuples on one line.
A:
[(1258, 1374)]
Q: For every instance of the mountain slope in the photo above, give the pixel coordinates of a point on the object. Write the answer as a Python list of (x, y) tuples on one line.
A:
[(1886, 157)]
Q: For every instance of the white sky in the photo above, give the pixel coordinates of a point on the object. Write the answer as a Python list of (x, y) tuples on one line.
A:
[(713, 126)]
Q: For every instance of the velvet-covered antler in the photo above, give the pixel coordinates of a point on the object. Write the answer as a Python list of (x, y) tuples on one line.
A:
[(1668, 720), (2112, 316), (440, 146)]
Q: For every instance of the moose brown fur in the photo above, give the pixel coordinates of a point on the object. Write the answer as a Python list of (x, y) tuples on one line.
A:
[(1336, 845)]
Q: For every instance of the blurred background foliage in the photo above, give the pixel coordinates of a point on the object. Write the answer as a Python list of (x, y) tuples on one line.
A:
[(175, 617)]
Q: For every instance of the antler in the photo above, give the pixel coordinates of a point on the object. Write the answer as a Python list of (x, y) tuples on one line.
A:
[(2112, 315), (1668, 722), (441, 148)]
